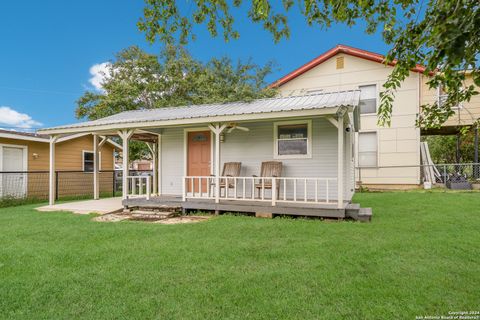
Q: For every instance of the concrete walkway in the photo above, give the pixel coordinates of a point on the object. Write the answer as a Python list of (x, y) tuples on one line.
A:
[(101, 206)]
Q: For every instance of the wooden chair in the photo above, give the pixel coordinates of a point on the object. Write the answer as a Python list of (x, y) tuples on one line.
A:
[(230, 169), (269, 169)]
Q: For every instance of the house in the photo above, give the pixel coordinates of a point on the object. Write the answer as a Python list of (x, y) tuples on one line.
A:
[(386, 157), (25, 160), (309, 138)]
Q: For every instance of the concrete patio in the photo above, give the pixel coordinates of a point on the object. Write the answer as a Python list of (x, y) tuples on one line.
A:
[(101, 206)]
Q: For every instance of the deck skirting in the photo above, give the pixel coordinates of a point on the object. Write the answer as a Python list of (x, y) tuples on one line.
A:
[(294, 209)]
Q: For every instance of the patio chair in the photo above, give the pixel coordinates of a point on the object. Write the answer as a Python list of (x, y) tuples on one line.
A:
[(269, 169), (230, 169)]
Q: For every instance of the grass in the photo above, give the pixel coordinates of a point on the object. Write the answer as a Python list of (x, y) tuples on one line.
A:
[(419, 256)]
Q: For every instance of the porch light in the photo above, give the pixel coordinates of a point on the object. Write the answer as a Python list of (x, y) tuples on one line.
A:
[(222, 137)]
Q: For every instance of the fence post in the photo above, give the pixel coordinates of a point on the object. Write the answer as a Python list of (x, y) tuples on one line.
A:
[(56, 185), (445, 174)]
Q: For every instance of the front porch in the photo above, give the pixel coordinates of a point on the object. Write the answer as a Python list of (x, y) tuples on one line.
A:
[(243, 206), (293, 155)]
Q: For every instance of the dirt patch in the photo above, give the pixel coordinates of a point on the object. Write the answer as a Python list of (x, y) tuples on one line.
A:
[(114, 217)]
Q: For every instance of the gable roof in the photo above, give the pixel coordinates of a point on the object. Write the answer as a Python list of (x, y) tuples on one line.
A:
[(359, 53), (232, 111), (28, 136)]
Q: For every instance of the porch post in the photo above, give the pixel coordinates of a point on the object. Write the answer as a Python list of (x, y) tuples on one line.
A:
[(125, 135), (96, 163), (217, 130), (51, 173), (159, 164), (152, 146), (340, 162), (217, 164)]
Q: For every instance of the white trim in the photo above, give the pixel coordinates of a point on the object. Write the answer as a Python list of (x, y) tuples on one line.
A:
[(308, 122), (72, 136), (185, 147), (193, 121), (99, 160), (16, 136)]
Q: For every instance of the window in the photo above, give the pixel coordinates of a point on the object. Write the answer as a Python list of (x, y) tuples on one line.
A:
[(293, 139), (88, 161), (442, 97), (367, 149), (368, 99)]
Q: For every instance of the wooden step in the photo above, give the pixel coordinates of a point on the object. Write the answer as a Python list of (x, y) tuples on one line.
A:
[(354, 211)]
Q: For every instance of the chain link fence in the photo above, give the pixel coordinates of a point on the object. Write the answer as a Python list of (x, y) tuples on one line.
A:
[(34, 185), (449, 175)]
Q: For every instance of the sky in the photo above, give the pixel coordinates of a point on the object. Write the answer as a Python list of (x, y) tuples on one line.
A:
[(51, 52)]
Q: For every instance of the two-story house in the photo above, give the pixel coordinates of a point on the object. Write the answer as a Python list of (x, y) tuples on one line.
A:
[(385, 156)]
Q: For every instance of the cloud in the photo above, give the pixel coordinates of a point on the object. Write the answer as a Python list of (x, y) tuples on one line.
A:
[(98, 72), (13, 118)]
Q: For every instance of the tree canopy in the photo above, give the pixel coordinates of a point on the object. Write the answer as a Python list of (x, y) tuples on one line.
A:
[(443, 36), (138, 80)]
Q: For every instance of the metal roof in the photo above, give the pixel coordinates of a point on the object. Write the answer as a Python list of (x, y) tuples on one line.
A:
[(261, 106)]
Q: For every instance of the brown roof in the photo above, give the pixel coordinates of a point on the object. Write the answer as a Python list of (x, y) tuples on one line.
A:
[(26, 134)]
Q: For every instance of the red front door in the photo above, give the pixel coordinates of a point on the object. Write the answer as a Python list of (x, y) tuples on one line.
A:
[(198, 157)]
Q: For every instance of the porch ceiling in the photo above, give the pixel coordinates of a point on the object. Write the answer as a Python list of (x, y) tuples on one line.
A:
[(307, 105)]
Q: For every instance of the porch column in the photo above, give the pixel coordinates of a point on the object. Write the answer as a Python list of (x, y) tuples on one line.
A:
[(51, 174), (217, 130), (340, 162), (159, 164), (96, 163), (152, 146), (125, 136)]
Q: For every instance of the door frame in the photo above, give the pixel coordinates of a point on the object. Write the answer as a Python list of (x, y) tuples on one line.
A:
[(185, 147), (25, 162)]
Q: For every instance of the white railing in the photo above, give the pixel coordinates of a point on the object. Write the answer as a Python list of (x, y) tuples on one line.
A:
[(139, 186), (268, 189)]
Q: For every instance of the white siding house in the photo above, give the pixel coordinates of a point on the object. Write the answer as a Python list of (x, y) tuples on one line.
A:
[(311, 135)]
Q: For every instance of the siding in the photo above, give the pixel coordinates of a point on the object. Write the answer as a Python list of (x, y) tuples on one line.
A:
[(399, 144), (251, 148), (467, 115)]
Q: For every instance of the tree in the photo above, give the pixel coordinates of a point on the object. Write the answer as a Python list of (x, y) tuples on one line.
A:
[(138, 80), (442, 35), (443, 149)]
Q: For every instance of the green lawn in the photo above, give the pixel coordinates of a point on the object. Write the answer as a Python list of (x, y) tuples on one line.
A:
[(419, 256)]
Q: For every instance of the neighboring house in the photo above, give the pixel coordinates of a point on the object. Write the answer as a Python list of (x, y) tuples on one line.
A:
[(466, 113), (141, 165), (310, 137), (386, 156), (24, 162)]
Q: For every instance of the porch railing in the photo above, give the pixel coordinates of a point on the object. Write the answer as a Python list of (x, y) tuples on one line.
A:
[(139, 186), (268, 189)]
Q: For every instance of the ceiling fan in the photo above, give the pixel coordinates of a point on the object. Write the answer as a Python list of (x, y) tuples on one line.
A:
[(232, 126)]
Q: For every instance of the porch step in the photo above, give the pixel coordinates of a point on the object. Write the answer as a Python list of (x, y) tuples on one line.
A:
[(354, 211), (152, 213)]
